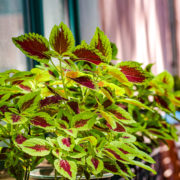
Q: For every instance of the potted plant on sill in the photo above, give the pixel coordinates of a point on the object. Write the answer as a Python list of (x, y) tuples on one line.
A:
[(74, 113)]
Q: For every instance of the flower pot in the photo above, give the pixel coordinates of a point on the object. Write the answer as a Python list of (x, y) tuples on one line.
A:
[(48, 173)]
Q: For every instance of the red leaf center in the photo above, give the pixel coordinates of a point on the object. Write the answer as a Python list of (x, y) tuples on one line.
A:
[(81, 123), (95, 162), (39, 121), (66, 141), (132, 74), (114, 154), (66, 166), (39, 148), (15, 118), (20, 139)]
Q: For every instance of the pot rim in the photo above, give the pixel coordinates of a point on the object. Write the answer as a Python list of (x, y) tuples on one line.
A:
[(34, 175)]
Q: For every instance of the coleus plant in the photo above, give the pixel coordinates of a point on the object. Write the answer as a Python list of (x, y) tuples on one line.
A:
[(79, 112)]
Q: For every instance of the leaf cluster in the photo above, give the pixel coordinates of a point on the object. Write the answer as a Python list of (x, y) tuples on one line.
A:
[(84, 114)]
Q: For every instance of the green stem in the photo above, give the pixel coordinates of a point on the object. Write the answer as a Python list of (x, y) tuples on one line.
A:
[(55, 66), (62, 77), (26, 173), (8, 144), (55, 174), (61, 74), (86, 95), (174, 117)]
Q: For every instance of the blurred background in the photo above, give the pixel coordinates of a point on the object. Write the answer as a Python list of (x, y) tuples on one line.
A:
[(144, 31)]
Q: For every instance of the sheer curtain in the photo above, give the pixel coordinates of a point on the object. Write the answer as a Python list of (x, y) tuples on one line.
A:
[(141, 29)]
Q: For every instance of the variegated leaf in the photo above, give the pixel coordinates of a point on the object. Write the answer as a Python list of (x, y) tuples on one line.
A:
[(66, 168), (96, 164), (121, 114), (90, 139), (85, 81), (84, 52), (110, 120), (35, 147), (20, 139), (102, 43), (29, 101), (61, 39), (42, 120), (84, 120), (15, 118), (133, 72), (34, 46), (135, 103), (65, 143)]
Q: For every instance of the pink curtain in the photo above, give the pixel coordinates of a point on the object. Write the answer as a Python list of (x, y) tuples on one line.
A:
[(141, 30), (177, 18)]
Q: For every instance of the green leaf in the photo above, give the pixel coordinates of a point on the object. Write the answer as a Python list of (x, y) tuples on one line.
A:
[(112, 167), (164, 80), (33, 46), (121, 114), (84, 121), (4, 96), (29, 101), (119, 91), (135, 103), (78, 152), (96, 164), (130, 148), (149, 67), (66, 168), (72, 132), (61, 39), (117, 74), (41, 75), (110, 120), (102, 43), (140, 164), (15, 118), (113, 152), (114, 51), (36, 147), (90, 139), (165, 104), (126, 137), (42, 120)]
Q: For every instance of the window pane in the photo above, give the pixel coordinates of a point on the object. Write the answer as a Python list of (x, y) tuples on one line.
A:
[(55, 11), (11, 25), (89, 18)]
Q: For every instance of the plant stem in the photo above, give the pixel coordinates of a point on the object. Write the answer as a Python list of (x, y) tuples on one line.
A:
[(55, 174), (86, 95), (6, 143), (26, 172), (61, 74), (174, 117), (62, 77)]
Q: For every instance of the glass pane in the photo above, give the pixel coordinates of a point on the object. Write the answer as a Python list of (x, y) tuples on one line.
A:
[(11, 25), (54, 12), (89, 18)]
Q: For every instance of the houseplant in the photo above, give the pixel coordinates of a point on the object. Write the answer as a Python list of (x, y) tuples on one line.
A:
[(73, 113)]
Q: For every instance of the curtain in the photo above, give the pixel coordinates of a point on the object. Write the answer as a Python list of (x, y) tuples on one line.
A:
[(141, 30)]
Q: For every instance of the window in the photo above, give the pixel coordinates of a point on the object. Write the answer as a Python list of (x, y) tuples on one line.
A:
[(11, 21), (54, 13)]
